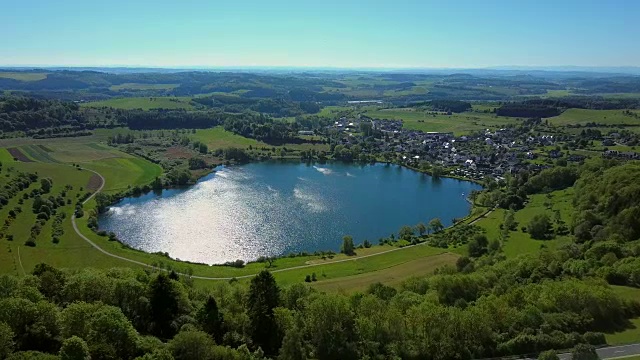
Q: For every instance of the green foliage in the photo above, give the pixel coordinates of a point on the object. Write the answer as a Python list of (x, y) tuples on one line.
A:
[(211, 320), (540, 227), (607, 201), (264, 296), (436, 225), (74, 348), (555, 178), (548, 355), (347, 248), (192, 345), (584, 352), (6, 340), (166, 305)]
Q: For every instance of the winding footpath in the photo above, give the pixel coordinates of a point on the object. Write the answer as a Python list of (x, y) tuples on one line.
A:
[(97, 247)]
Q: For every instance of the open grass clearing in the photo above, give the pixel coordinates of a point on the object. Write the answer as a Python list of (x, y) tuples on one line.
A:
[(520, 242), (632, 333), (23, 76), (219, 138), (459, 124), (584, 116), (141, 86), (145, 103), (390, 276)]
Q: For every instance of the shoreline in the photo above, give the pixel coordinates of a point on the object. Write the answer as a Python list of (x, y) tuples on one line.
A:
[(121, 196)]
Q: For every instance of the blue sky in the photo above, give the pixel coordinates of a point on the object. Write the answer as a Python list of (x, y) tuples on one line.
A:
[(327, 33)]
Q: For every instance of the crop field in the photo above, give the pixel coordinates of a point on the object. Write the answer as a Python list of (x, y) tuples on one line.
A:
[(584, 116), (23, 76), (459, 124), (145, 103), (140, 86)]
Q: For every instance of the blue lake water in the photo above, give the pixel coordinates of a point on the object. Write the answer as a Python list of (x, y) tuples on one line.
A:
[(275, 208)]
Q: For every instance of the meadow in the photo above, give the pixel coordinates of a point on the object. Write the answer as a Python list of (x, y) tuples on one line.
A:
[(459, 124), (144, 103), (23, 76), (584, 116), (140, 86), (219, 138)]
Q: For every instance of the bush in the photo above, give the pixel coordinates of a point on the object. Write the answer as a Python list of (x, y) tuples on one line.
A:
[(30, 242), (594, 338)]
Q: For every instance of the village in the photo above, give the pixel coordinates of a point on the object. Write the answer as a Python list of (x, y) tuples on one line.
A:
[(489, 153)]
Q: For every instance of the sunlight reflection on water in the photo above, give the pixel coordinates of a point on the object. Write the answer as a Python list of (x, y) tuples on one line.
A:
[(277, 208)]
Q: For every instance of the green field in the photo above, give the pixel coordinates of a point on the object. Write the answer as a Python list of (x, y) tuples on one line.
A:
[(390, 276), (219, 138), (520, 242), (632, 334), (23, 76), (584, 116), (140, 86), (145, 103), (459, 124)]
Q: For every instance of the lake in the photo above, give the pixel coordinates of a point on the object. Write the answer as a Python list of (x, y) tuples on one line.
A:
[(276, 208)]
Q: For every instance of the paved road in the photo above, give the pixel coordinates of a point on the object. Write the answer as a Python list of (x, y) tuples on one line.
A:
[(615, 352), (609, 352)]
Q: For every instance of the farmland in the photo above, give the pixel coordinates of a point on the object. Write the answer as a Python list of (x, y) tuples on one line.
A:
[(459, 124), (23, 76), (144, 103), (138, 86), (584, 116)]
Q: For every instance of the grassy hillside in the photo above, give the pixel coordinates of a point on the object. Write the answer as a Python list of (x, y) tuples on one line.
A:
[(23, 76), (584, 116), (459, 124), (145, 103), (138, 86)]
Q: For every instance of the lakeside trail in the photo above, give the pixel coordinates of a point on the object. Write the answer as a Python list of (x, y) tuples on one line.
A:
[(105, 252)]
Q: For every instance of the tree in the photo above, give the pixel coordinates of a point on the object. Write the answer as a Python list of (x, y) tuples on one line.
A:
[(347, 246), (111, 333), (6, 340), (211, 319), (478, 246), (436, 225), (74, 348), (192, 345), (548, 355), (263, 298), (45, 185), (406, 233), (437, 171), (539, 227), (292, 345), (584, 352), (421, 228), (164, 298), (331, 327), (509, 223)]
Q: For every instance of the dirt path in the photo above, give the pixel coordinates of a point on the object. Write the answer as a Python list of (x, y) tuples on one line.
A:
[(482, 216), (20, 262)]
